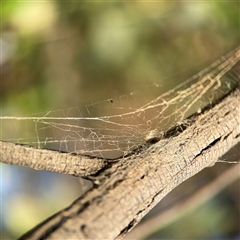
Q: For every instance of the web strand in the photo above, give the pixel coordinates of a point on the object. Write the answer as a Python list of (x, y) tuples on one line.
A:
[(118, 134)]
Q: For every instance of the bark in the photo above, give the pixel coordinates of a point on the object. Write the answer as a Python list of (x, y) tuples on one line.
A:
[(127, 189), (54, 161), (186, 205)]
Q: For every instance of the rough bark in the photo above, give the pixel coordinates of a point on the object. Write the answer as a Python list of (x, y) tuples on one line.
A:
[(186, 205), (126, 190), (54, 161)]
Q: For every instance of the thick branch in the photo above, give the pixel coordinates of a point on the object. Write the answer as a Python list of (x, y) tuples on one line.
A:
[(131, 187), (184, 206)]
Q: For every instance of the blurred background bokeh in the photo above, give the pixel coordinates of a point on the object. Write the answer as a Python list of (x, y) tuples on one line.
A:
[(59, 55)]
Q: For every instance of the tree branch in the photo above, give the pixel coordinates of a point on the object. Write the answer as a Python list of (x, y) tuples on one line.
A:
[(184, 206), (54, 161), (128, 189)]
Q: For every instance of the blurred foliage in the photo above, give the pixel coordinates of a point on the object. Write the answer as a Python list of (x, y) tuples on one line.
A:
[(60, 54), (89, 48)]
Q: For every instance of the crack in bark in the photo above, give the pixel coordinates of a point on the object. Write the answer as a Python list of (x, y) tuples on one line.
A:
[(207, 147)]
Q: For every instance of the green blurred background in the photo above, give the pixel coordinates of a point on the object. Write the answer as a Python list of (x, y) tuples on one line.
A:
[(59, 55)]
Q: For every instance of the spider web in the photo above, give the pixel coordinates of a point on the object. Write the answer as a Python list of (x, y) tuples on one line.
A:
[(128, 128)]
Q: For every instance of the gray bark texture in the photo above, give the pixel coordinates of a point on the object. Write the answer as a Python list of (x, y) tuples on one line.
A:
[(128, 188)]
